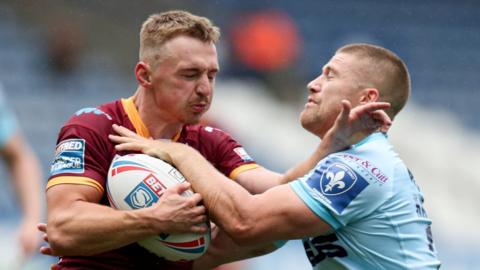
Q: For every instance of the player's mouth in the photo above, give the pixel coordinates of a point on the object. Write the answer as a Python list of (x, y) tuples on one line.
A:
[(200, 107), (310, 102)]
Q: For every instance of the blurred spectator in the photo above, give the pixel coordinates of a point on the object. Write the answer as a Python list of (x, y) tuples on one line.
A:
[(267, 44), (65, 42), (266, 40), (25, 177)]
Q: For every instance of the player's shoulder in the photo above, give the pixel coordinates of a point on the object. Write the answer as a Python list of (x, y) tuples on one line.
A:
[(210, 140), (205, 132), (98, 118), (344, 177), (351, 171)]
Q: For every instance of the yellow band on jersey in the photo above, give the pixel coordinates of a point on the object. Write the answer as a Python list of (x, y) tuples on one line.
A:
[(76, 180), (134, 117), (241, 169)]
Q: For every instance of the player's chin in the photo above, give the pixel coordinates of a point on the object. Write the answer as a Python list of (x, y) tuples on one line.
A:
[(193, 119), (310, 123), (305, 118)]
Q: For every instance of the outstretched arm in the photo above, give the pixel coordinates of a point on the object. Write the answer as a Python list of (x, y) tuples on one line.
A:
[(25, 171), (224, 250), (247, 219), (350, 127)]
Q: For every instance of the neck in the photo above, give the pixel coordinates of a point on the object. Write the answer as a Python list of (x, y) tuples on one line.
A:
[(158, 125)]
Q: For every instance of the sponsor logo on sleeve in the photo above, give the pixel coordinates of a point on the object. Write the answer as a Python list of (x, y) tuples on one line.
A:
[(95, 111), (337, 184), (242, 154), (369, 166), (69, 157), (211, 129)]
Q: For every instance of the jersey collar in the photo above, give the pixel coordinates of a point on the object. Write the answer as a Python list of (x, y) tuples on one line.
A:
[(134, 116), (372, 137)]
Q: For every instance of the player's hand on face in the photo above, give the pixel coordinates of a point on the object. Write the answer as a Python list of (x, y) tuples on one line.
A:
[(127, 140), (174, 213), (352, 125)]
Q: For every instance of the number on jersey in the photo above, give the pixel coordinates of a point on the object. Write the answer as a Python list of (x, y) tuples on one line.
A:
[(321, 247)]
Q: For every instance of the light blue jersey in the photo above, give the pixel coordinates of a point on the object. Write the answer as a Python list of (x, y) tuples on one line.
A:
[(8, 123), (8, 128), (369, 197)]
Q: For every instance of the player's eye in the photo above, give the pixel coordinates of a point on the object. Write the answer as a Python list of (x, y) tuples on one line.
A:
[(190, 75), (329, 74), (212, 76)]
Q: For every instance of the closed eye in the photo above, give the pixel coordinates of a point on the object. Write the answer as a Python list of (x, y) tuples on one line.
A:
[(212, 75), (329, 73), (190, 76)]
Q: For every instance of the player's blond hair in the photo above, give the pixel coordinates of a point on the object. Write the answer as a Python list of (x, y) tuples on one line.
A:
[(385, 71), (161, 27)]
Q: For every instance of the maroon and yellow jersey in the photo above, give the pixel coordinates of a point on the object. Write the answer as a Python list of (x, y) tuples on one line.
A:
[(84, 153)]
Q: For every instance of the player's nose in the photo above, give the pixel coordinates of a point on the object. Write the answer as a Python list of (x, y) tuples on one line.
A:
[(205, 86), (314, 86)]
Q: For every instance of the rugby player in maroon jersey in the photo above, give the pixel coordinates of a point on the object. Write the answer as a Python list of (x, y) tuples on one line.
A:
[(176, 76)]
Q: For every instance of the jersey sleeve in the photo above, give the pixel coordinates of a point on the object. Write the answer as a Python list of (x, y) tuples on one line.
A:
[(227, 155), (342, 190), (82, 154)]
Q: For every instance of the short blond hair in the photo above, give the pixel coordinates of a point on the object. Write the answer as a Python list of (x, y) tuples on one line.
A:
[(161, 27), (385, 71)]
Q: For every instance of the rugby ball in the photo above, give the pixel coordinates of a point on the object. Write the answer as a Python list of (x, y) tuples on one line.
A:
[(137, 181)]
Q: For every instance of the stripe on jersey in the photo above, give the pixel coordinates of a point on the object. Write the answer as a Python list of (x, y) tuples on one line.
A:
[(76, 180), (134, 117), (241, 169), (137, 122)]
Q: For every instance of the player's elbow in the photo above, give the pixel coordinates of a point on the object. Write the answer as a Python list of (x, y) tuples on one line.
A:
[(241, 233), (244, 227), (240, 220)]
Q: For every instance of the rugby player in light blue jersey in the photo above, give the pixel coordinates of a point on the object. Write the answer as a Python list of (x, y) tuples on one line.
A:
[(357, 209), (370, 200), (17, 228)]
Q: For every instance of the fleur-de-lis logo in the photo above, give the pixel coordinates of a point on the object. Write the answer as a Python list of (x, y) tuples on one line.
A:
[(335, 180)]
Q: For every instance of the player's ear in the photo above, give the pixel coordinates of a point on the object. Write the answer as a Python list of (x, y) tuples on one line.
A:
[(142, 73), (369, 95)]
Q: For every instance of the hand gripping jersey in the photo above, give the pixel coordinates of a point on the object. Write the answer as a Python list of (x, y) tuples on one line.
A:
[(370, 199), (83, 156)]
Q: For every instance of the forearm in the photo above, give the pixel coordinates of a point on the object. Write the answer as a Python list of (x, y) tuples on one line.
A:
[(26, 178), (229, 205), (259, 180), (326, 147), (88, 228), (224, 250), (213, 259)]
